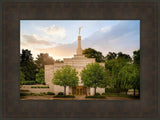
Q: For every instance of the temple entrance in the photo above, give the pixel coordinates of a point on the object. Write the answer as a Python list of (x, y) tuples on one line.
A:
[(79, 90)]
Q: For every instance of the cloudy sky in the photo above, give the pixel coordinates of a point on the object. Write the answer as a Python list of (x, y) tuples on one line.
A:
[(58, 38)]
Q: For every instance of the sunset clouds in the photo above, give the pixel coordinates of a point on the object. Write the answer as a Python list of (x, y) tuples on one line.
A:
[(34, 40), (55, 31), (59, 38)]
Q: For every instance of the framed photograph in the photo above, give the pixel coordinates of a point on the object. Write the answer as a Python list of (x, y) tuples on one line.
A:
[(55, 67), (80, 60)]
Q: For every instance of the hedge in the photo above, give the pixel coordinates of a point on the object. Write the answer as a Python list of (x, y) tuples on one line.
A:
[(113, 90), (50, 93), (60, 93), (96, 96), (37, 94), (64, 96), (39, 86), (28, 82)]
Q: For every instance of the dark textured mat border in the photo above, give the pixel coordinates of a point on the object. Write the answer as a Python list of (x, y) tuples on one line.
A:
[(147, 106)]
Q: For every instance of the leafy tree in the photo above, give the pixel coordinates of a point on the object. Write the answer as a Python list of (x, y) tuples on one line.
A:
[(66, 76), (43, 59), (129, 76), (58, 61), (124, 76), (124, 73), (114, 65), (107, 79), (111, 55), (109, 65), (135, 78), (22, 77), (92, 53), (93, 75), (124, 57), (136, 57), (28, 66), (26, 55), (136, 62), (40, 76)]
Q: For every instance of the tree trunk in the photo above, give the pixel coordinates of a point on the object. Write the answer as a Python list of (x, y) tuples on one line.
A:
[(134, 92), (126, 92), (86, 91), (64, 90), (95, 91), (72, 91)]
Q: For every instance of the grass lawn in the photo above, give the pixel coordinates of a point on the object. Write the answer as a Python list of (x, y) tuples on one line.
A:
[(120, 95)]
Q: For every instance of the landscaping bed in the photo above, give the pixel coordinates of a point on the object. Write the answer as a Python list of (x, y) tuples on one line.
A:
[(64, 96), (96, 96), (39, 86), (36, 94), (120, 95)]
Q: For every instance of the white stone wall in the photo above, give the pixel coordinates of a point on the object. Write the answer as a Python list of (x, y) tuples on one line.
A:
[(28, 89), (49, 69), (98, 90), (91, 91), (58, 89)]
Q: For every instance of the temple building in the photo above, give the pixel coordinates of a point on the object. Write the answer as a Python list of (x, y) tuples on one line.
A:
[(79, 61)]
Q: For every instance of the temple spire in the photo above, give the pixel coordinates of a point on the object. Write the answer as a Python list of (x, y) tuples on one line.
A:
[(79, 49)]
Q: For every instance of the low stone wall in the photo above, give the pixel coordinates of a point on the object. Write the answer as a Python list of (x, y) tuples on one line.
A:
[(98, 90), (28, 89)]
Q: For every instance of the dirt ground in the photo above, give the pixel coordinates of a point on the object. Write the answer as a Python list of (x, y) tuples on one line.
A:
[(50, 97)]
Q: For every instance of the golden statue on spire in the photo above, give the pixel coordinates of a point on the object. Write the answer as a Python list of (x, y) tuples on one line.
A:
[(80, 30)]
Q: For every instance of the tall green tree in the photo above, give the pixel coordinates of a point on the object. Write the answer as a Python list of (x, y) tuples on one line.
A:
[(115, 65), (43, 59), (26, 55), (136, 57), (27, 65), (22, 77), (40, 76), (130, 78), (136, 62), (93, 75), (126, 75), (111, 55), (58, 61), (124, 57), (107, 79), (66, 76), (92, 53), (135, 78)]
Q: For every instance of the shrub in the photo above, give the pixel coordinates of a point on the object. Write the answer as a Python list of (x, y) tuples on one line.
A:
[(44, 83), (33, 94), (38, 94), (33, 87), (28, 82), (97, 94), (104, 94), (64, 96), (39, 86), (113, 90), (60, 93), (50, 93)]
